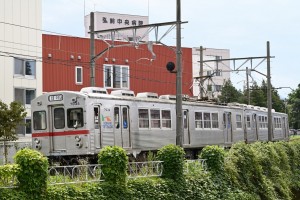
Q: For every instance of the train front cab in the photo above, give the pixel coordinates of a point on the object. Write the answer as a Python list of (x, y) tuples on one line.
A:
[(59, 127)]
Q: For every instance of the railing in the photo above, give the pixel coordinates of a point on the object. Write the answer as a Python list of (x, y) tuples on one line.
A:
[(8, 182), (145, 169), (75, 174), (195, 165), (93, 173)]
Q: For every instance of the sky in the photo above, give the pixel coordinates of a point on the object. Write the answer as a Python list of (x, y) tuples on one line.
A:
[(242, 26)]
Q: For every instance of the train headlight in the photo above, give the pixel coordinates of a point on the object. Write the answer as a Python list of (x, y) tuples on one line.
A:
[(37, 141), (77, 138)]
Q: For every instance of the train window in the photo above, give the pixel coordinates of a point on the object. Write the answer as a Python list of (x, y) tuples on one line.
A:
[(75, 117), (116, 116), (125, 120), (59, 118), (277, 122), (166, 118), (155, 118), (248, 119), (263, 121), (206, 120), (238, 121), (198, 120), (143, 118), (185, 119), (39, 120), (215, 120), (96, 117)]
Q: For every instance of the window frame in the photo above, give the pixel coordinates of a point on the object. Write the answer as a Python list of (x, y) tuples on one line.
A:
[(238, 122), (22, 67), (78, 82), (42, 120), (25, 98), (112, 80), (211, 121), (81, 120)]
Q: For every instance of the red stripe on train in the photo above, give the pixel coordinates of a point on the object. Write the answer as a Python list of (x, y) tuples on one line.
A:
[(64, 133)]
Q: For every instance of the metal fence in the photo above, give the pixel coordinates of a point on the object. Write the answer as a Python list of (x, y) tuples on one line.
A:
[(145, 169), (93, 173), (75, 174), (193, 166)]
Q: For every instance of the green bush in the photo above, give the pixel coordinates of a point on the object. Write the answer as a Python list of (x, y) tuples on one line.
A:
[(7, 173), (173, 161), (33, 172), (114, 164), (214, 156)]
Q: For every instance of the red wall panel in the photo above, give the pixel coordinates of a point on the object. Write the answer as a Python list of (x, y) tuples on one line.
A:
[(145, 75)]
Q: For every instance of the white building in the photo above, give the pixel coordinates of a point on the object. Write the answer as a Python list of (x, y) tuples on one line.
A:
[(105, 21), (214, 72), (20, 54)]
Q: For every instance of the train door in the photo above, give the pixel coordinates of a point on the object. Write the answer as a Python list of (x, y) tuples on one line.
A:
[(97, 125), (57, 127), (122, 126), (186, 135), (284, 128), (254, 127), (227, 127)]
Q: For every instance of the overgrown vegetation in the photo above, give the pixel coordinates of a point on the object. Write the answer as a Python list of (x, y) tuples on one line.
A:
[(267, 171), (10, 118)]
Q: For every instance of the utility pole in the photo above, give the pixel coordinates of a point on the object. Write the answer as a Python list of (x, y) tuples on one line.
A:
[(201, 72), (248, 89), (269, 93), (179, 120), (92, 50)]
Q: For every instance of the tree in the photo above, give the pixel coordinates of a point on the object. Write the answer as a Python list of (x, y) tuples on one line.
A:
[(10, 118), (230, 93), (294, 108)]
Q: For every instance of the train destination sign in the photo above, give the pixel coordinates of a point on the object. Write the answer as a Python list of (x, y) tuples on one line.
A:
[(57, 97)]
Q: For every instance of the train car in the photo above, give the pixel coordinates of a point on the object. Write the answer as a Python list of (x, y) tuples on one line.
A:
[(71, 125)]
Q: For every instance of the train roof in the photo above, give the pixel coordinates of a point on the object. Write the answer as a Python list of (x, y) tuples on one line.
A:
[(128, 95)]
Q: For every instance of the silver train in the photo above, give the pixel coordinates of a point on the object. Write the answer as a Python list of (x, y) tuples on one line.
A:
[(68, 124)]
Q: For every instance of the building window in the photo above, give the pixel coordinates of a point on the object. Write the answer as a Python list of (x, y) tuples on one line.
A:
[(24, 96), (217, 88), (116, 76), (78, 75), (238, 121), (218, 72), (24, 67)]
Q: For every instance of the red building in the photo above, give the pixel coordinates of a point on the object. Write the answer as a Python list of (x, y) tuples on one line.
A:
[(66, 66)]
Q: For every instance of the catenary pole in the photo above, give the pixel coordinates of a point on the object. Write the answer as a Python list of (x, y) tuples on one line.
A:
[(179, 120), (269, 93), (92, 50)]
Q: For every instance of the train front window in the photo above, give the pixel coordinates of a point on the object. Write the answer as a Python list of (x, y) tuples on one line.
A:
[(59, 118), (75, 118), (39, 120)]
